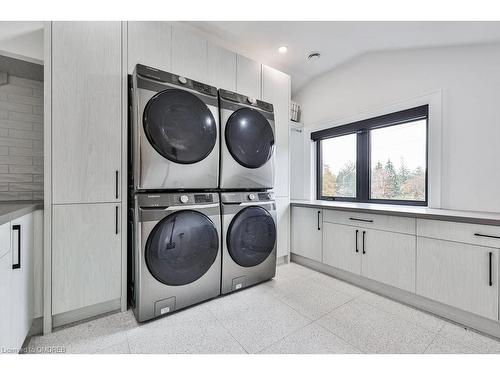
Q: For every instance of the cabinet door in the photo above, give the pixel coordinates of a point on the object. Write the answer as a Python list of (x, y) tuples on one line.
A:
[(306, 233), (86, 111), (86, 256), (22, 278), (458, 274), (283, 217), (149, 43), (6, 295), (339, 247), (389, 258), (221, 67), (276, 90), (189, 54), (248, 77)]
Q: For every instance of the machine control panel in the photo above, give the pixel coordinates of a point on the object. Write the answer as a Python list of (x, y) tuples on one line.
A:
[(203, 198)]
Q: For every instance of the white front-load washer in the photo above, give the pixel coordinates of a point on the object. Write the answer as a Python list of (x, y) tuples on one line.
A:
[(175, 132), (177, 252)]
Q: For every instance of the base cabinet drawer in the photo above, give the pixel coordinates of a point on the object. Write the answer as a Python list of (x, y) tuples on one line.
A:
[(458, 274), (307, 233)]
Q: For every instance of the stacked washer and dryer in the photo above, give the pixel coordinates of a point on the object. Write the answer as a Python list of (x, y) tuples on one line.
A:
[(203, 222)]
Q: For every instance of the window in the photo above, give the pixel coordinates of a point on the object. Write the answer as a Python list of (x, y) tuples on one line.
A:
[(379, 160)]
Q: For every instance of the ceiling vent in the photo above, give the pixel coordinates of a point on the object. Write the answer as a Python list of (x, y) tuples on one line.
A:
[(312, 56)]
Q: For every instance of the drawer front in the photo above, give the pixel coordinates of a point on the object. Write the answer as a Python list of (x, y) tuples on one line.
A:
[(474, 234), (381, 222)]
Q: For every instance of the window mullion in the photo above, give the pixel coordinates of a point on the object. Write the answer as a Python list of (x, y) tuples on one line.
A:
[(363, 167)]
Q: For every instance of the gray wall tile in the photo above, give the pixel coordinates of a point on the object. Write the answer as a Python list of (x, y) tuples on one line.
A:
[(21, 139)]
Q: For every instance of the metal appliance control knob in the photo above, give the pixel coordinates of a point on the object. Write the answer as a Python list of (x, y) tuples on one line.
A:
[(182, 80), (184, 198), (252, 100), (251, 197)]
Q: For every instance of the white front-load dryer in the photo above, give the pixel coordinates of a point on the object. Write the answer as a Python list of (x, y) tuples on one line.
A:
[(247, 142), (177, 252), (175, 132), (248, 239)]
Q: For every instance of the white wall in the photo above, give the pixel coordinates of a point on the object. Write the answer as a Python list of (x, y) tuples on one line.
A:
[(468, 78)]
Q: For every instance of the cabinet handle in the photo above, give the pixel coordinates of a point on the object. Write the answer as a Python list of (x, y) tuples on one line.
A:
[(357, 250), (319, 212), (363, 220), (18, 229), (491, 278), (486, 235), (116, 220), (364, 232), (116, 184)]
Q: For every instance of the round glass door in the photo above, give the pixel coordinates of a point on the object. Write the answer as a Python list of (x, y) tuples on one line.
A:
[(249, 138), (181, 247), (251, 236), (179, 126)]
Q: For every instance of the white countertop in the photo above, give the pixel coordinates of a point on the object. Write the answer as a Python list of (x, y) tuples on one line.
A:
[(474, 217), (10, 210)]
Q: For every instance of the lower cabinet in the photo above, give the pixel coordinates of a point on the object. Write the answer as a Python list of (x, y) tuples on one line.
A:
[(459, 274), (307, 235), (383, 256), (341, 247), (16, 282), (283, 226), (86, 256), (389, 258)]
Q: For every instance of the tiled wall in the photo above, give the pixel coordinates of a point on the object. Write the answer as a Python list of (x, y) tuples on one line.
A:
[(21, 139)]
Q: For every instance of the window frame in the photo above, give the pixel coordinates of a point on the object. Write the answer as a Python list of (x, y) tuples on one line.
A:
[(363, 152)]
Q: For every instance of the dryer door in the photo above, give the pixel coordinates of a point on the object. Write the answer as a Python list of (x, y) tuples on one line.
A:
[(182, 247), (249, 138), (251, 236), (180, 126)]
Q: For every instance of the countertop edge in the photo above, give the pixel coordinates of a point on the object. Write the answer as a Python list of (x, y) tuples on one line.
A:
[(444, 216), (17, 213)]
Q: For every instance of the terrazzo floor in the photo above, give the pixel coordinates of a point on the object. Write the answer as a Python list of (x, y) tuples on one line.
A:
[(299, 311)]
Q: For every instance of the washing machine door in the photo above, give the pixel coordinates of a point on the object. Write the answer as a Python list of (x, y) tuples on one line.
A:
[(180, 126), (249, 138), (181, 248), (251, 236)]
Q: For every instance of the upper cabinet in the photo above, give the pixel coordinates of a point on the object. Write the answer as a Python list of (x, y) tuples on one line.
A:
[(248, 77), (221, 67), (149, 43), (86, 111), (276, 89), (189, 54)]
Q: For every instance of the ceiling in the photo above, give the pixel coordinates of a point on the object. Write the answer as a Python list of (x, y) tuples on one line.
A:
[(338, 42), (22, 38)]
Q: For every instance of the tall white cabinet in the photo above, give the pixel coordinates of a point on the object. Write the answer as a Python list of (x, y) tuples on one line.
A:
[(86, 265), (276, 89)]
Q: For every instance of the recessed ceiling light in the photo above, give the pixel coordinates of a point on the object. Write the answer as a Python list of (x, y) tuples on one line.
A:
[(283, 49), (312, 56)]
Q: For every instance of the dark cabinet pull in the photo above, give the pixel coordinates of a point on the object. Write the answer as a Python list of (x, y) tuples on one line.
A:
[(116, 220), (357, 250), (18, 229), (486, 235), (319, 212), (364, 232), (491, 276), (116, 184), (363, 220)]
